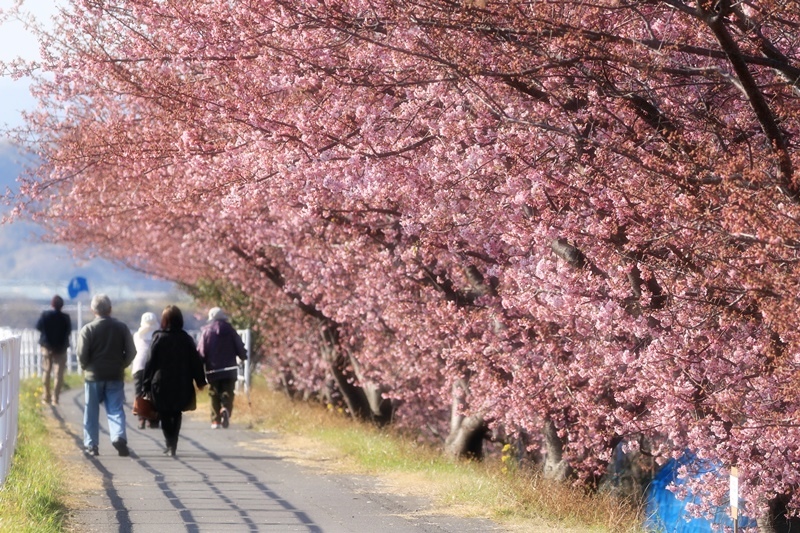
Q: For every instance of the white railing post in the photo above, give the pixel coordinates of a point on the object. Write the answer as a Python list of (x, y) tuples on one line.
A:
[(9, 401), (248, 344), (244, 376), (30, 363)]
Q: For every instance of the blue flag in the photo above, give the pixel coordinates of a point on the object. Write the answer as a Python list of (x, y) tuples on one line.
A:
[(77, 285)]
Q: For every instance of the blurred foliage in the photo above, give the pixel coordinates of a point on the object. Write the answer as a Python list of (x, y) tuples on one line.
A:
[(236, 303), (212, 293)]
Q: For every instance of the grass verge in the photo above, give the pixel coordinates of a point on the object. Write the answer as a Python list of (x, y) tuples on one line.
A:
[(517, 498), (32, 497)]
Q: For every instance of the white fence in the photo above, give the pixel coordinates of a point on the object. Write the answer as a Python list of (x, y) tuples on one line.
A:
[(30, 362), (244, 372), (9, 401)]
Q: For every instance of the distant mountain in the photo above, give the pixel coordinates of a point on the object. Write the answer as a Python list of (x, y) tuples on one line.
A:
[(12, 163), (31, 267)]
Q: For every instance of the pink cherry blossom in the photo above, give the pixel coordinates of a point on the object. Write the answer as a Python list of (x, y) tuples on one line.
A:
[(567, 215)]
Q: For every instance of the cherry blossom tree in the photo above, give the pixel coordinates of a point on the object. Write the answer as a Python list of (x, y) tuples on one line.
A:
[(575, 223)]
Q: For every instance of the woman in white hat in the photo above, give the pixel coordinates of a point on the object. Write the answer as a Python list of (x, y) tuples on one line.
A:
[(142, 340)]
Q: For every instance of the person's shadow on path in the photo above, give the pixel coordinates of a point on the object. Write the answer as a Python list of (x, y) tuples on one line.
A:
[(192, 525)]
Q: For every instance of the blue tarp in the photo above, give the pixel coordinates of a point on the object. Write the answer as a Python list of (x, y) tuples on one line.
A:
[(665, 513)]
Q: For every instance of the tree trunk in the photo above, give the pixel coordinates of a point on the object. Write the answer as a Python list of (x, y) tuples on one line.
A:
[(775, 519), (381, 410), (362, 403), (765, 524), (466, 432), (466, 441), (629, 474), (353, 398), (554, 467)]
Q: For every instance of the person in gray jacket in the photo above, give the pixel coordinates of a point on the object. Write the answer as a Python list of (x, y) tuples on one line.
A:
[(105, 349)]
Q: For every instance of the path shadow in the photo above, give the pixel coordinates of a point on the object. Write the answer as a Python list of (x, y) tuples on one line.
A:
[(121, 513), (191, 523)]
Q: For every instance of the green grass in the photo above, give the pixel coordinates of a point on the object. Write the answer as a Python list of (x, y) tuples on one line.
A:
[(494, 488), (32, 497)]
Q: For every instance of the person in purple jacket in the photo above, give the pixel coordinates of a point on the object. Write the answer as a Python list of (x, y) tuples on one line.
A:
[(219, 346)]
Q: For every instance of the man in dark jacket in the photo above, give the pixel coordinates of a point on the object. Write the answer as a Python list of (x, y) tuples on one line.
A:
[(55, 328), (219, 346), (105, 349)]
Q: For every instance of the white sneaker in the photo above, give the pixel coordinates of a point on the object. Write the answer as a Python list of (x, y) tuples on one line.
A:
[(214, 425)]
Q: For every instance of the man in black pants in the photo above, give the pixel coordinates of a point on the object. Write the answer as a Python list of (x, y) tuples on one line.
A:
[(219, 346)]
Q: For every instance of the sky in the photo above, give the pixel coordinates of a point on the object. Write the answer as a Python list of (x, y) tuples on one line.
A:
[(15, 42), (20, 254)]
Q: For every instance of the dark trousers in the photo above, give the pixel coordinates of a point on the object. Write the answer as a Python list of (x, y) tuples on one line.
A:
[(138, 377), (221, 393), (171, 426)]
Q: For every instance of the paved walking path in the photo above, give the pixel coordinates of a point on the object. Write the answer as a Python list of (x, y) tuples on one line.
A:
[(230, 480)]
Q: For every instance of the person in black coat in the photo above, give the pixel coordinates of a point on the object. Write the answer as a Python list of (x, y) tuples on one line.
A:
[(171, 373), (55, 327)]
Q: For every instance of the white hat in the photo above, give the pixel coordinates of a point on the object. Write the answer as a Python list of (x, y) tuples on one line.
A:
[(149, 320), (216, 313)]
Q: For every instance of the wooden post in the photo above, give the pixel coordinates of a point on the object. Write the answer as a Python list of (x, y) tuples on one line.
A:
[(734, 497)]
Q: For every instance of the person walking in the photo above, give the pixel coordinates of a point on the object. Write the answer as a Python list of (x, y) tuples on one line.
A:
[(141, 340), (219, 346), (54, 327), (105, 349), (171, 372)]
